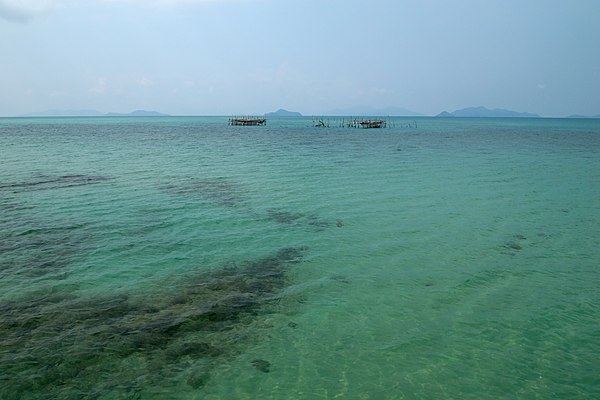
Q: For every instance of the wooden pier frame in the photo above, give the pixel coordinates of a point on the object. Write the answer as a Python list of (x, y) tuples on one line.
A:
[(351, 123)]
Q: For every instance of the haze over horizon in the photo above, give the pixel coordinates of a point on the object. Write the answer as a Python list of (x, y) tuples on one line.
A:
[(222, 57)]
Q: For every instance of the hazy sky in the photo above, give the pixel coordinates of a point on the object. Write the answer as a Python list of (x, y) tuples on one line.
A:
[(207, 57)]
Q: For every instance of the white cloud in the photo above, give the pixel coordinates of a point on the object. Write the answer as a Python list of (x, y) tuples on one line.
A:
[(177, 2), (145, 82), (164, 3), (99, 86), (25, 10)]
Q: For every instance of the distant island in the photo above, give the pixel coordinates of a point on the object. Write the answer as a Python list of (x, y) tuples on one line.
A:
[(482, 112), (373, 111), (583, 116), (283, 113), (138, 113), (94, 113), (470, 112)]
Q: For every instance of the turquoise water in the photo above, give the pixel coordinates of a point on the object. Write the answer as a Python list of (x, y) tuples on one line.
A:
[(183, 258)]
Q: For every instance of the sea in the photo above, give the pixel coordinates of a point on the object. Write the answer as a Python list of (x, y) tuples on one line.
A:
[(183, 258)]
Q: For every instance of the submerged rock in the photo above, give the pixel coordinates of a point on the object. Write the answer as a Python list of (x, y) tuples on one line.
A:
[(516, 244), (193, 350), (45, 182), (299, 219), (218, 191), (198, 379), (283, 217), (262, 365), (34, 250), (513, 246), (318, 223)]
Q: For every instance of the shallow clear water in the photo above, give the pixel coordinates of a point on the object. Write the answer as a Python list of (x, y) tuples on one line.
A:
[(184, 258)]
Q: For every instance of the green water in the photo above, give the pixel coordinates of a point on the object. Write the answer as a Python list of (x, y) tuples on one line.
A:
[(183, 258)]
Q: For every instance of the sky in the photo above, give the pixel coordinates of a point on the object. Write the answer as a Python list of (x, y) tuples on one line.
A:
[(226, 57)]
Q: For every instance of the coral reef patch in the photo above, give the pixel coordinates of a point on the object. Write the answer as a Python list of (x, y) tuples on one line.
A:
[(71, 347)]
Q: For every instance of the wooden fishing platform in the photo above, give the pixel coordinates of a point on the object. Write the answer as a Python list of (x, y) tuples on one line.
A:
[(373, 123), (247, 121)]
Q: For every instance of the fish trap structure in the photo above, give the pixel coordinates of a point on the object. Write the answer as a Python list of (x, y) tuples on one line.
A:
[(351, 123), (247, 121)]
